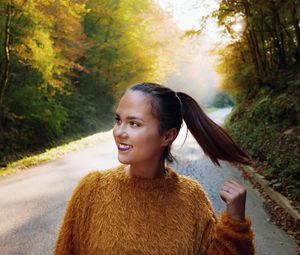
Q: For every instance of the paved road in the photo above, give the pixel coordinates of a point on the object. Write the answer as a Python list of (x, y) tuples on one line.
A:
[(33, 202)]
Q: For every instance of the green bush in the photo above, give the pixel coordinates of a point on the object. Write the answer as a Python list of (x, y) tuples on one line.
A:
[(45, 115), (269, 130)]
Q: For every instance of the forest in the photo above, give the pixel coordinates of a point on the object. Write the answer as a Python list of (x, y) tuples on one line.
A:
[(261, 71), (63, 65)]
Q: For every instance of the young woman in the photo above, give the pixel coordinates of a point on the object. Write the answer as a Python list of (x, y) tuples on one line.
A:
[(143, 206)]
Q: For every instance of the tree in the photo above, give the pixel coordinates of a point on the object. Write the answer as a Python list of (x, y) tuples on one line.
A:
[(268, 44)]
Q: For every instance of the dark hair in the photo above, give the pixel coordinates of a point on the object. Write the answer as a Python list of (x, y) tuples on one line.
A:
[(172, 108)]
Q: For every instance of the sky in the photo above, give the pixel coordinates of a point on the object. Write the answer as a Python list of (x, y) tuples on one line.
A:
[(187, 14), (197, 75)]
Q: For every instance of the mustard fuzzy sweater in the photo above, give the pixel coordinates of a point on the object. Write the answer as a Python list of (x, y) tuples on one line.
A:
[(112, 212)]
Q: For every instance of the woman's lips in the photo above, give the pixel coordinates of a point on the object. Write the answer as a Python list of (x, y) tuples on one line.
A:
[(124, 146)]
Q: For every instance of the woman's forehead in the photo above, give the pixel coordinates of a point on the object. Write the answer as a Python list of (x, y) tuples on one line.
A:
[(135, 101)]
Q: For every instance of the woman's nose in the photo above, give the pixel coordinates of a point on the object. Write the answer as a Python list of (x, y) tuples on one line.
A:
[(120, 131)]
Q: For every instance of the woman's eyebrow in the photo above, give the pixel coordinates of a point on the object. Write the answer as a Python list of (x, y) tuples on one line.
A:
[(131, 117)]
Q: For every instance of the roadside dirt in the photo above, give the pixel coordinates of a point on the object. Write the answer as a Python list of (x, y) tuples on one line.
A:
[(278, 215)]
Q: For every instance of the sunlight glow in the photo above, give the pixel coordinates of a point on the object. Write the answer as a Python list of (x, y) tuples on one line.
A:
[(187, 13), (237, 23), (238, 27), (197, 75)]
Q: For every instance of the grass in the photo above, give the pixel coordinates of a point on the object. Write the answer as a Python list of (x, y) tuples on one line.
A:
[(54, 153)]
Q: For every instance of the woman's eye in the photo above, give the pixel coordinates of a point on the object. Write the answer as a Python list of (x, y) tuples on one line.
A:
[(134, 124), (117, 119), (131, 123)]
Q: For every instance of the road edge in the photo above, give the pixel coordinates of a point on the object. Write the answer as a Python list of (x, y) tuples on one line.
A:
[(280, 199), (276, 203)]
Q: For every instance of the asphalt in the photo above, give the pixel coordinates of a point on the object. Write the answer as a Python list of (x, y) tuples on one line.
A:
[(33, 201)]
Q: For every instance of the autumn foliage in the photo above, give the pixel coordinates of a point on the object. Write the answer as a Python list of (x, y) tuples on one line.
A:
[(64, 63)]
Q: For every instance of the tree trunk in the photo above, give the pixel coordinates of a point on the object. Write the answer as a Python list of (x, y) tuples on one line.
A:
[(280, 39), (6, 46), (297, 29), (253, 42)]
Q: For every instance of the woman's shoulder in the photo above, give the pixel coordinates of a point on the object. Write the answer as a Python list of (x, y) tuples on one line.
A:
[(199, 196), (96, 176), (190, 183), (195, 188)]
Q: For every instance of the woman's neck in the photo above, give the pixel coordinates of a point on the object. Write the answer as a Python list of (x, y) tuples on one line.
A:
[(149, 171)]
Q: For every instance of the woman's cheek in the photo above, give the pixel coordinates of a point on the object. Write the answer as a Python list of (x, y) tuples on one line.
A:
[(152, 140)]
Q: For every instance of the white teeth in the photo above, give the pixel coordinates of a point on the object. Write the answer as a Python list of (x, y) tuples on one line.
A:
[(124, 146)]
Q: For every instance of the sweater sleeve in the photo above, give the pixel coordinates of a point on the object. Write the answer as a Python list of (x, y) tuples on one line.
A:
[(70, 238), (222, 235)]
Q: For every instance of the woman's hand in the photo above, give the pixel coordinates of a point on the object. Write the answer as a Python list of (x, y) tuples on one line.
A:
[(234, 195)]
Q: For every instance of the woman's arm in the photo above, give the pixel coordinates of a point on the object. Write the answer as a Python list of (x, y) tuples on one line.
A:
[(223, 235), (227, 236), (70, 232)]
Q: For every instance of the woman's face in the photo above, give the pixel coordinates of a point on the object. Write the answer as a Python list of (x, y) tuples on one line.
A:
[(136, 131)]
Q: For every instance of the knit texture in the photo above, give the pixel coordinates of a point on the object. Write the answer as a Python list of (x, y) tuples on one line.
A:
[(112, 212)]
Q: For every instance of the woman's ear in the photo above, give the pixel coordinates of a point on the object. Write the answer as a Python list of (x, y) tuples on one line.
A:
[(169, 136)]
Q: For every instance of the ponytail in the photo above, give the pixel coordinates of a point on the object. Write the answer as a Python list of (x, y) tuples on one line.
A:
[(213, 139), (172, 108)]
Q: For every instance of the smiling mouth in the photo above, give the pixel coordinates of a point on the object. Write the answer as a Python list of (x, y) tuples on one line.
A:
[(124, 147)]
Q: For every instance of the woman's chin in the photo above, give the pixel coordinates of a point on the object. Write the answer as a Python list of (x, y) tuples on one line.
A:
[(124, 160)]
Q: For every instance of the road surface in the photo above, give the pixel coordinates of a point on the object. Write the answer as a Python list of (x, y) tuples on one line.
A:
[(33, 201)]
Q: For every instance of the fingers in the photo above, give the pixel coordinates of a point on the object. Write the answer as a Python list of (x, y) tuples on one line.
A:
[(234, 182), (234, 195), (231, 191), (225, 196), (233, 185)]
